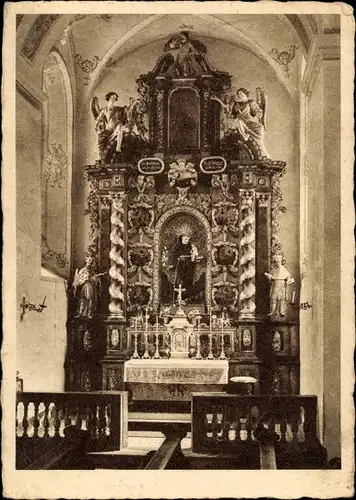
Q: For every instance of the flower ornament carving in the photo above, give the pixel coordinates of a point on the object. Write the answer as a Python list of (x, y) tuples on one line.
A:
[(87, 65), (142, 184), (284, 57), (224, 183), (55, 165)]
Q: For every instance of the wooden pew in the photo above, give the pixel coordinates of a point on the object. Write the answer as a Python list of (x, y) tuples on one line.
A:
[(68, 453)]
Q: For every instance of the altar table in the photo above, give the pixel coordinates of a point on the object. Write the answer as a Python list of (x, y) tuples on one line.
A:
[(172, 379)]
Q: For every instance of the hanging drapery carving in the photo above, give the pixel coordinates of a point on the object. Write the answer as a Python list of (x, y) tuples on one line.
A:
[(116, 255), (247, 253)]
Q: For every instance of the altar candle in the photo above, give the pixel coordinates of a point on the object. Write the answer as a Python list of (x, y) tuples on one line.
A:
[(210, 319), (135, 323), (293, 298), (157, 324), (146, 319), (222, 323)]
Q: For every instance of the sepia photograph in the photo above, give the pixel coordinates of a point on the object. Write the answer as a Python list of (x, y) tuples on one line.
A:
[(178, 249)]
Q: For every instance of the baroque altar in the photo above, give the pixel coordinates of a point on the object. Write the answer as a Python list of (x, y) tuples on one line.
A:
[(184, 263)]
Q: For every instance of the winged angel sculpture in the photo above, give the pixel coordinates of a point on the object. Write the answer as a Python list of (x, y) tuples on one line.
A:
[(246, 116), (114, 122)]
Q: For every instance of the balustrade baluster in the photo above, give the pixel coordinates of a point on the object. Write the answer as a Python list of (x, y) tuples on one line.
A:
[(102, 420), (17, 420), (206, 425), (249, 425), (78, 419), (294, 427), (283, 428), (272, 424), (46, 419), (225, 424), (25, 419), (67, 419), (36, 422), (215, 425), (108, 420), (238, 428), (57, 420)]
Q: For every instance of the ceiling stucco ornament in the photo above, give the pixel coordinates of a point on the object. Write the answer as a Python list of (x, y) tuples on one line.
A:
[(284, 57), (37, 33), (87, 65)]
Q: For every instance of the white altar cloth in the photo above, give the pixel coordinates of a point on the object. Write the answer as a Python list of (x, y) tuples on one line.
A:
[(176, 371)]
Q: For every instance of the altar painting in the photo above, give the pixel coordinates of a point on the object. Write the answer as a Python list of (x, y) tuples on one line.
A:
[(182, 259)]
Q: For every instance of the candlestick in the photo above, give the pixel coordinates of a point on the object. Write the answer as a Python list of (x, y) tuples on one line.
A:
[(198, 353), (156, 355), (222, 354), (146, 354), (135, 354)]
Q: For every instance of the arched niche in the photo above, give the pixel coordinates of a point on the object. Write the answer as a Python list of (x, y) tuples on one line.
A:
[(56, 175), (169, 227)]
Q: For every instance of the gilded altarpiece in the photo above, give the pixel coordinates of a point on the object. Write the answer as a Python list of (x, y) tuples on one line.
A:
[(185, 228)]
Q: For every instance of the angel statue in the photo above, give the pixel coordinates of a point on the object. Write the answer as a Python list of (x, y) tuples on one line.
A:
[(110, 123), (247, 117), (87, 285)]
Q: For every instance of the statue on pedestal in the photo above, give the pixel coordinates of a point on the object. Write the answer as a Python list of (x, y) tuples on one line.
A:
[(280, 279), (87, 285)]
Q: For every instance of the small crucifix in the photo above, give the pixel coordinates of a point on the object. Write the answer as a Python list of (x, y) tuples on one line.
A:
[(179, 291)]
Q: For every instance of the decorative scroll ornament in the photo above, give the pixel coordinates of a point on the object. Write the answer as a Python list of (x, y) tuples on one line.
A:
[(48, 254), (87, 65), (139, 296), (116, 255), (276, 209), (225, 296), (247, 254), (200, 201), (223, 183), (224, 259), (55, 166), (142, 184), (224, 216), (93, 205), (283, 58)]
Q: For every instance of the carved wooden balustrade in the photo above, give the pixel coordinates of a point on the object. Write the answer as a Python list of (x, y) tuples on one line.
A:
[(42, 417), (221, 423)]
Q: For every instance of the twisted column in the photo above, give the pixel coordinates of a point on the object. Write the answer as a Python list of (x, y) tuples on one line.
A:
[(247, 254), (116, 254), (160, 136)]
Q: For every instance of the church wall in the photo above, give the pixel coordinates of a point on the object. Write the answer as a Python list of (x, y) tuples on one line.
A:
[(320, 326), (249, 72), (41, 337)]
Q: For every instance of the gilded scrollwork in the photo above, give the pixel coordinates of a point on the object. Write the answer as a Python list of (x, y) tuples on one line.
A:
[(199, 201)]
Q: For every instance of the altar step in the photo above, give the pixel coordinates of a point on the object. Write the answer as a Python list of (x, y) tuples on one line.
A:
[(152, 421)]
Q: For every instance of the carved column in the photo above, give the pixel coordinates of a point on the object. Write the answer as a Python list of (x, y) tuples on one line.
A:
[(247, 253), (116, 271), (205, 96), (262, 251), (160, 128)]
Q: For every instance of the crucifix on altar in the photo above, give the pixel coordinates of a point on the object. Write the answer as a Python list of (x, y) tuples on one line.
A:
[(180, 301)]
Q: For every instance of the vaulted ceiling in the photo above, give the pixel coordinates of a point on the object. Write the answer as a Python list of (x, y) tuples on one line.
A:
[(96, 42)]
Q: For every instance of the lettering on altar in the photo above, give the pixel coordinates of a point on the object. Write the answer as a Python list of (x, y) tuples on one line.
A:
[(213, 165), (150, 166)]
